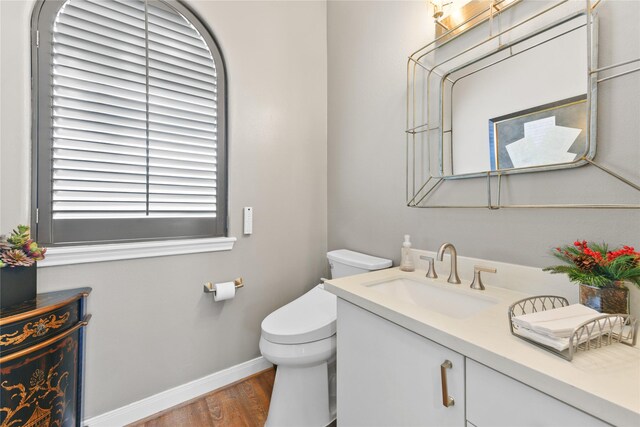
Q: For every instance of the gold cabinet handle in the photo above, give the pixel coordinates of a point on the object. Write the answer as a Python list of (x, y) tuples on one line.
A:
[(447, 400)]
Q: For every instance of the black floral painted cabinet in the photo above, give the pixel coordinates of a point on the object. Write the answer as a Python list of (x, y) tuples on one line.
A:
[(41, 360)]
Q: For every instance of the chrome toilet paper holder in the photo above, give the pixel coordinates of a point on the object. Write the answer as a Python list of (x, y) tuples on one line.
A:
[(208, 287)]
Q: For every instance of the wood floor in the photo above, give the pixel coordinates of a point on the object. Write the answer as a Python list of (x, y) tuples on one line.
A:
[(245, 403)]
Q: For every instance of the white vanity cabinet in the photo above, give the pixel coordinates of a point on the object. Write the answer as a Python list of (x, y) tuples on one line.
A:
[(390, 376), (496, 400)]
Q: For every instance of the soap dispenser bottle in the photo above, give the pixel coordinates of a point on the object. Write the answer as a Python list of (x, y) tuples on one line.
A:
[(406, 262)]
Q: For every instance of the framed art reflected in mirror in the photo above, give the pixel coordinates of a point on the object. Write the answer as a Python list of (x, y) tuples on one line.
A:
[(548, 134)]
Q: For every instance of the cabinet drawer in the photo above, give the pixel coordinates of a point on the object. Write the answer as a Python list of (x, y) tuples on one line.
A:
[(21, 334), (494, 399)]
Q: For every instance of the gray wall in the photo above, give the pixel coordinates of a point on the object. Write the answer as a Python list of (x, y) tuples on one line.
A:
[(369, 43), (152, 326)]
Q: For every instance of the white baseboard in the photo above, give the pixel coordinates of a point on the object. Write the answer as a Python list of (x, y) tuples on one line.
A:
[(177, 395)]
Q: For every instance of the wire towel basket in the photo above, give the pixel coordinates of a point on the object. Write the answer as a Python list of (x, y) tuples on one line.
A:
[(599, 332)]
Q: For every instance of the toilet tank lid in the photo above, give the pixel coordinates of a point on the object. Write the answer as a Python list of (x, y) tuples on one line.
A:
[(357, 259)]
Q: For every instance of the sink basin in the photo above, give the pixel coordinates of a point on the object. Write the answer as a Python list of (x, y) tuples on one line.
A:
[(445, 298)]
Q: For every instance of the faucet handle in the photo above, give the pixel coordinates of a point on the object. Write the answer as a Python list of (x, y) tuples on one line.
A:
[(432, 269), (477, 279)]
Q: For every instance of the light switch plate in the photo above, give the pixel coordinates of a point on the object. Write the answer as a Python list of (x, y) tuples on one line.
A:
[(248, 220)]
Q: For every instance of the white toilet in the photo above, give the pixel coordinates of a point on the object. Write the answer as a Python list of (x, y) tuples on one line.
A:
[(301, 339)]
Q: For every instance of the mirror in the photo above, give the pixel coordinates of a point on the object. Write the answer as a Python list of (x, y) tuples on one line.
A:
[(508, 88), (523, 108), (506, 92)]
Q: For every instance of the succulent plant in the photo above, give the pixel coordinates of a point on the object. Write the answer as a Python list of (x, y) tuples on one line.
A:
[(19, 236), (33, 251), (19, 250), (16, 258)]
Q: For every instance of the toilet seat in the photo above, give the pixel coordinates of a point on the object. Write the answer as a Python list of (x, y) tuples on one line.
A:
[(311, 317)]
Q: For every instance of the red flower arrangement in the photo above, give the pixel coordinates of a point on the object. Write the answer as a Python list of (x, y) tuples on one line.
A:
[(595, 265)]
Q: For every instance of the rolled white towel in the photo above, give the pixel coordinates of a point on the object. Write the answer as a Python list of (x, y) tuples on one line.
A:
[(557, 322)]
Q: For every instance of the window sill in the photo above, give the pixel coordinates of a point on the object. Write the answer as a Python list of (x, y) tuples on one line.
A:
[(119, 251)]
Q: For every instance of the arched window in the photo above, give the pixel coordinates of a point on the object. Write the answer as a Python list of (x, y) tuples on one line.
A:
[(130, 123)]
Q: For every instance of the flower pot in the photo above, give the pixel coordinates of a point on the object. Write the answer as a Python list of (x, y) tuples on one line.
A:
[(17, 285), (613, 300)]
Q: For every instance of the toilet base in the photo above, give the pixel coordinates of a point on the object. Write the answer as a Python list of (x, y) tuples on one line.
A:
[(300, 397)]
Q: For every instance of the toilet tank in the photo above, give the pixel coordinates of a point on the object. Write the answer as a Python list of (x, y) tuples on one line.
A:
[(344, 262)]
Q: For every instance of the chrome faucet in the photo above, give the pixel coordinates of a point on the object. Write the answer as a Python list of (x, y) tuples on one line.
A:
[(453, 275)]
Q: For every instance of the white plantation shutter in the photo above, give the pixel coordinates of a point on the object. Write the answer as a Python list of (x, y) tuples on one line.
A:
[(133, 124), (99, 110), (182, 118)]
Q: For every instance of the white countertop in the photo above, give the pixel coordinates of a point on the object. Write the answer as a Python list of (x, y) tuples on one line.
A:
[(604, 382)]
